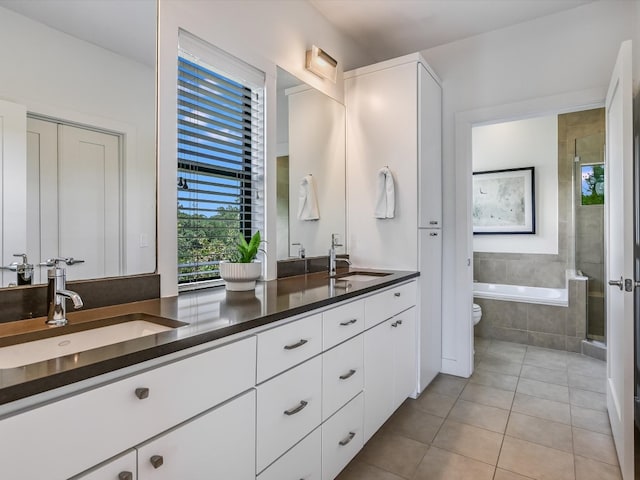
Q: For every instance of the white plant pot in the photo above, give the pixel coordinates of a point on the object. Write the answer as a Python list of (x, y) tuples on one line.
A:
[(240, 276)]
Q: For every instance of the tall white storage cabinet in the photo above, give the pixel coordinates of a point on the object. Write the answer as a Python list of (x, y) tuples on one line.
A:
[(394, 119)]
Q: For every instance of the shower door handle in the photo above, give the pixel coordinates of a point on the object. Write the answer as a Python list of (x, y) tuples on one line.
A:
[(617, 283)]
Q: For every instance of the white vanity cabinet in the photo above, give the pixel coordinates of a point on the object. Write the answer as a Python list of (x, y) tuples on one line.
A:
[(104, 421), (217, 444)]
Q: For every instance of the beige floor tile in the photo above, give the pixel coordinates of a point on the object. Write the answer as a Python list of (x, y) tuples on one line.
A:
[(480, 344), (535, 461), (588, 419), (414, 423), (439, 464), (546, 358), (478, 415), (362, 471), (542, 408), (393, 453), (540, 431), (506, 475), (494, 397), (550, 391), (435, 403), (583, 382), (470, 441), (511, 352), (559, 377), (447, 385), (490, 363), (587, 399), (594, 445), (587, 366), (495, 379), (589, 469)]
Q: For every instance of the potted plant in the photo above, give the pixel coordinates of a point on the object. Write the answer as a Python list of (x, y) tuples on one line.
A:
[(241, 273)]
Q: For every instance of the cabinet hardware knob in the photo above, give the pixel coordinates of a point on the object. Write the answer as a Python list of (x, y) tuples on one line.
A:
[(347, 375), (394, 324), (399, 322), (433, 234), (295, 410), (433, 222), (125, 476), (349, 322), (156, 461), (142, 393), (397, 294), (296, 345), (345, 441)]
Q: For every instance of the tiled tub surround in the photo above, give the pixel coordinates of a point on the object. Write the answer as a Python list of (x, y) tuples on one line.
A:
[(560, 328), (525, 413), (213, 315)]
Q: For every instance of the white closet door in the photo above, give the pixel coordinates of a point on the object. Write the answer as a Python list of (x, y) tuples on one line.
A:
[(13, 177), (89, 201)]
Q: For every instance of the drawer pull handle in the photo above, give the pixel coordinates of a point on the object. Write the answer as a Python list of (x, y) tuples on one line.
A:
[(156, 461), (125, 476), (297, 409), (349, 322), (433, 234), (396, 323), (345, 441), (347, 375), (142, 393), (296, 345), (433, 222), (397, 294)]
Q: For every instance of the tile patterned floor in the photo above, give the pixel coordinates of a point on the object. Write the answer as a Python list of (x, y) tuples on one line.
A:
[(526, 413)]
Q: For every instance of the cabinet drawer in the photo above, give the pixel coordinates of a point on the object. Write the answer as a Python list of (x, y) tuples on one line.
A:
[(304, 461), (283, 347), (384, 305), (289, 407), (170, 394), (341, 323), (123, 467), (217, 444), (342, 375), (342, 438)]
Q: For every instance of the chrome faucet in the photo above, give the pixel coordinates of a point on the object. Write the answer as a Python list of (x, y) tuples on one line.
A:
[(332, 255), (57, 294)]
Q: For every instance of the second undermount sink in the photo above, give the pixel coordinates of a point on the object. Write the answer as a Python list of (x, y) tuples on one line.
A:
[(57, 342), (362, 276)]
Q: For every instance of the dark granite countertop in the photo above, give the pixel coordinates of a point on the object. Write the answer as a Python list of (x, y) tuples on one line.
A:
[(210, 315)]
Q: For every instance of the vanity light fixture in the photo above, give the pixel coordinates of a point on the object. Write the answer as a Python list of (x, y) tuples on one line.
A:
[(322, 64)]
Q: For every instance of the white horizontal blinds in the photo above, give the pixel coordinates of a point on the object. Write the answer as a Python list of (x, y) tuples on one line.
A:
[(220, 157)]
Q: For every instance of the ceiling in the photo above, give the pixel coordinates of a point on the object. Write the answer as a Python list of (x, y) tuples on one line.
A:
[(390, 28)]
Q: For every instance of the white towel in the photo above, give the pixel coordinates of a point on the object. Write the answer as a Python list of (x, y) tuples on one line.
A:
[(385, 194), (308, 200)]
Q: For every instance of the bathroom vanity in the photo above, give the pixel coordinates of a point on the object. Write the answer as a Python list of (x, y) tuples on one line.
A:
[(294, 378)]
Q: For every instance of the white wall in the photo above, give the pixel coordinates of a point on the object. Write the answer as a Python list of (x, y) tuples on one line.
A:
[(263, 34), (531, 142), (57, 75), (567, 52)]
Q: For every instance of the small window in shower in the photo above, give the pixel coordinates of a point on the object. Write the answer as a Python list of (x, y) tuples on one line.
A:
[(592, 187)]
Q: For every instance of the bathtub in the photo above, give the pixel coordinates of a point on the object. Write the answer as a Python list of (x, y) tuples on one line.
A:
[(516, 293)]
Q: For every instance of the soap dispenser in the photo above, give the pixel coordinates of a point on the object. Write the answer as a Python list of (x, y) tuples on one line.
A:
[(24, 270)]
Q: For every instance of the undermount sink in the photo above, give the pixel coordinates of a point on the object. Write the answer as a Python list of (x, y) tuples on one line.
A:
[(39, 346), (362, 276)]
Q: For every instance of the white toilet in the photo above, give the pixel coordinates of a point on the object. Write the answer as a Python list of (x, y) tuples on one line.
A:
[(477, 313)]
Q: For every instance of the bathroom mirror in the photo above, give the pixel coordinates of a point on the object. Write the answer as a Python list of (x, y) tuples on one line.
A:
[(310, 144), (77, 106)]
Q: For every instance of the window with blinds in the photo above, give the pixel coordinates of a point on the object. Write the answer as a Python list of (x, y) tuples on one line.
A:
[(220, 158)]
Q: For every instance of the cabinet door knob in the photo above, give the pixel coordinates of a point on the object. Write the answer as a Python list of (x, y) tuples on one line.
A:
[(295, 410), (397, 323), (433, 234), (296, 345), (397, 294), (433, 222), (347, 375), (156, 461), (142, 393), (349, 322), (125, 476), (345, 441)]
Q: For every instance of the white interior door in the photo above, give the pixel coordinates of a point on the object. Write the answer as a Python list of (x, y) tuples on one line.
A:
[(620, 260)]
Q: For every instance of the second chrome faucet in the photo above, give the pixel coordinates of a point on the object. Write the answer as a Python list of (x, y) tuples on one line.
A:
[(332, 255)]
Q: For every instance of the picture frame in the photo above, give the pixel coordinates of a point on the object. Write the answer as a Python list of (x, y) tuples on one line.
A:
[(504, 202)]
